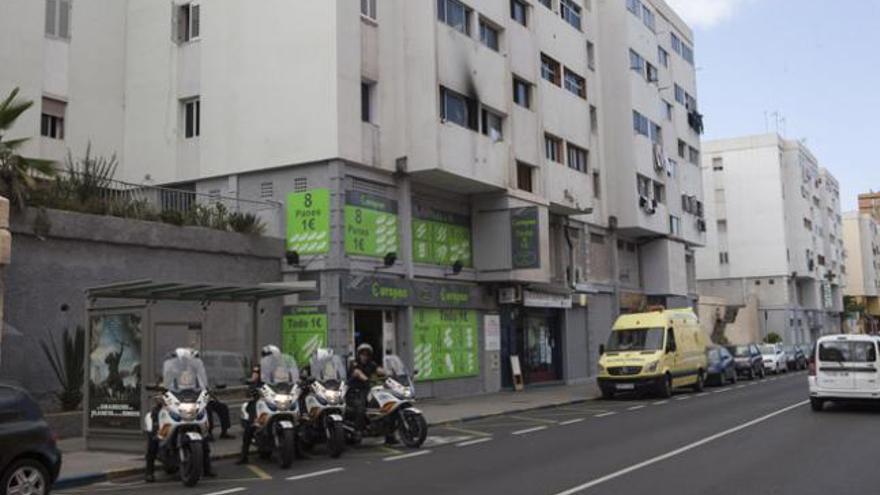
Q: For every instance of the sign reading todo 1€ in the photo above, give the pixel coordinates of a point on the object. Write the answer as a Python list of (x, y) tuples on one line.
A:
[(308, 221)]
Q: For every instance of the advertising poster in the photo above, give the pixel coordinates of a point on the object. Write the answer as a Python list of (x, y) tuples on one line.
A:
[(308, 222), (445, 343), (525, 238), (115, 371), (304, 331), (441, 238), (371, 227)]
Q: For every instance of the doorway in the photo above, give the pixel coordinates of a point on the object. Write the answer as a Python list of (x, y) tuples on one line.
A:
[(540, 345), (375, 327)]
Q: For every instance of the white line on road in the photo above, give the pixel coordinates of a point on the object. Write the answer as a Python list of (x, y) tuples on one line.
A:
[(315, 474), (660, 402), (225, 492), (702, 394), (406, 456), (571, 421), (473, 442), (604, 414), (680, 450), (635, 408), (683, 397), (529, 430), (725, 389), (741, 386)]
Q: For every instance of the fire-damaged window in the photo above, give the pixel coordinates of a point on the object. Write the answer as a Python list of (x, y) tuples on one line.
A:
[(458, 109)]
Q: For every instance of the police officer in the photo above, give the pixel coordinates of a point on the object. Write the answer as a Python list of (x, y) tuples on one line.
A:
[(254, 382), (363, 370)]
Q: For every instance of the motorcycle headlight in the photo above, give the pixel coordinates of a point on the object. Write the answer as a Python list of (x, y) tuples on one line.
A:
[(189, 411), (399, 390), (332, 396), (651, 367), (283, 402)]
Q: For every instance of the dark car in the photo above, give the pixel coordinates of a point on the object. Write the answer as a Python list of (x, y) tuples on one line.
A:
[(29, 458), (748, 360), (722, 368), (796, 358)]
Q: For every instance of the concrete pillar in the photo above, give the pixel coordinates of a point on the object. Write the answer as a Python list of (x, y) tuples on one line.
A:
[(5, 255)]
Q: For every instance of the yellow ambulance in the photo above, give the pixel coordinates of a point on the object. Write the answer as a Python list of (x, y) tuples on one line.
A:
[(655, 351)]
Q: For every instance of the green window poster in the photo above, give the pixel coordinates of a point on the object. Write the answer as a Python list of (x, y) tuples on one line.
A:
[(304, 331), (445, 343), (370, 225), (308, 221), (525, 237), (440, 238)]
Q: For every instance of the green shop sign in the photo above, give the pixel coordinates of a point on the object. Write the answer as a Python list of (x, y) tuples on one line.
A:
[(308, 221), (445, 343), (525, 234), (440, 238), (386, 291), (370, 225), (304, 331)]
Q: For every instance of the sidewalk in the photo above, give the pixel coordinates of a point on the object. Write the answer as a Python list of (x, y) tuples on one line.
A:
[(82, 467)]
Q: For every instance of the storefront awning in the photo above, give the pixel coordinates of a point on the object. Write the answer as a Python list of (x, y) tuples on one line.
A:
[(202, 292)]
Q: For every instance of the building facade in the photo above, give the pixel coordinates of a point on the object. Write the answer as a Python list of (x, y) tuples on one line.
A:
[(467, 181), (861, 238), (775, 232)]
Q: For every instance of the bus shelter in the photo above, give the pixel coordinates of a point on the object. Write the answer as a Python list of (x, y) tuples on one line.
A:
[(123, 348)]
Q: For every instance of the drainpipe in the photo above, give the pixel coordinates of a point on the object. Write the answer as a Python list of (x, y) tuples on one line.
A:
[(570, 269), (405, 215)]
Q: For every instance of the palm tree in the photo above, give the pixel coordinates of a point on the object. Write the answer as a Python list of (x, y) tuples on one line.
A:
[(17, 173)]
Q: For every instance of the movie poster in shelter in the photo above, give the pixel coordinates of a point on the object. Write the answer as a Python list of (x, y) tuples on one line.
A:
[(115, 371)]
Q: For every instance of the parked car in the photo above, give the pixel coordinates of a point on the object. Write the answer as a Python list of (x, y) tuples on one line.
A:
[(774, 358), (748, 361), (29, 458), (844, 367), (722, 368), (795, 358)]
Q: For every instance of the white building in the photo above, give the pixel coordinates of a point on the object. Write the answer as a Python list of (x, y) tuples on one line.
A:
[(558, 140), (774, 231), (861, 238)]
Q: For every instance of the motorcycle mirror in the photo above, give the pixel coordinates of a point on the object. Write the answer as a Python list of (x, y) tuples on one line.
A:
[(415, 372)]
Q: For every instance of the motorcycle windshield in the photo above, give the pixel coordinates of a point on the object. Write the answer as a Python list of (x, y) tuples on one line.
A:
[(328, 370), (395, 368), (278, 370), (182, 374)]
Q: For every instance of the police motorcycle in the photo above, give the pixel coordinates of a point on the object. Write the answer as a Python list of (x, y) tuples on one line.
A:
[(276, 407), (390, 407), (182, 417), (321, 419)]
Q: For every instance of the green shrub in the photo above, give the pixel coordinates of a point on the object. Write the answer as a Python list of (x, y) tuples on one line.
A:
[(246, 223)]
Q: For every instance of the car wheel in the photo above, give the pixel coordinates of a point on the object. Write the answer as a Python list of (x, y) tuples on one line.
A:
[(26, 476), (701, 380), (816, 404), (733, 377), (665, 387), (762, 372), (607, 393)]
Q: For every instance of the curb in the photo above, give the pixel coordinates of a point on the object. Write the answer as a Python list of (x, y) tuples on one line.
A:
[(477, 417)]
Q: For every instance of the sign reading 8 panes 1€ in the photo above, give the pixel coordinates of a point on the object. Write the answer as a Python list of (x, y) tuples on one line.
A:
[(440, 238), (445, 343), (308, 221), (371, 227), (304, 331)]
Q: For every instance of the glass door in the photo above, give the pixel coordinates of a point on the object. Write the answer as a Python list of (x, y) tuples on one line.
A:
[(540, 346)]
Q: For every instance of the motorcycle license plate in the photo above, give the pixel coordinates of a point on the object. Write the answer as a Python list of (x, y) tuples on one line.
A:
[(286, 424), (626, 386), (195, 437)]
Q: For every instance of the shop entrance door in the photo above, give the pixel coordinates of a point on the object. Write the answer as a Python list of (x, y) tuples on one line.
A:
[(377, 328), (540, 346)]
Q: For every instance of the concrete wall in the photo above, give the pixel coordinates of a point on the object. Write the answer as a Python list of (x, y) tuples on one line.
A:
[(45, 286)]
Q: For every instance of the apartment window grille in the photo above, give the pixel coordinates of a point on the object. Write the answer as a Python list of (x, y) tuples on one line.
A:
[(519, 12), (522, 92), (553, 148), (368, 9), (52, 118), (192, 116), (578, 158), (454, 14), (58, 18), (489, 35), (550, 70), (187, 23), (458, 109), (571, 12), (300, 184), (575, 84), (524, 175)]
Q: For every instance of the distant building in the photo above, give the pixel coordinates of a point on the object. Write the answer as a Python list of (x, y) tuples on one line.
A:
[(869, 204), (861, 238)]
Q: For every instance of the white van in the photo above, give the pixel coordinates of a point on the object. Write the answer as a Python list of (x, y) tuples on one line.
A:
[(844, 367)]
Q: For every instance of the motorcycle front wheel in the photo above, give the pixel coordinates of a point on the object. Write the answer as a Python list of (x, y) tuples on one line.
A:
[(336, 439), (287, 447), (191, 463), (413, 429)]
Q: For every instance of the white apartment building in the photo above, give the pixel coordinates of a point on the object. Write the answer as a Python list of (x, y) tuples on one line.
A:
[(519, 171), (775, 232), (861, 239)]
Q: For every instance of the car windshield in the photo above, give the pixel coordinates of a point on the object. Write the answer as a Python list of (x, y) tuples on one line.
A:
[(767, 349), (636, 339), (739, 350), (842, 352), (714, 355), (186, 373), (277, 369)]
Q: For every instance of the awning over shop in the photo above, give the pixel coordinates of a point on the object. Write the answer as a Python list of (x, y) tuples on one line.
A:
[(200, 292)]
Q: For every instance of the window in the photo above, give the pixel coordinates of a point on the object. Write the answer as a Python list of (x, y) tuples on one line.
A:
[(578, 158), (519, 12), (656, 133), (682, 149), (659, 192), (267, 190), (634, 6), (575, 84), (458, 109), (674, 225), (191, 117), (522, 92), (717, 164), (689, 102), (724, 258), (675, 41), (524, 177), (693, 155), (368, 8), (671, 167), (591, 55), (662, 56), (721, 225), (492, 125), (188, 25), (58, 18), (648, 18), (640, 124), (455, 15), (597, 238), (488, 35), (367, 90), (52, 118), (679, 94), (571, 12), (550, 69), (687, 53), (597, 185), (667, 109), (553, 148), (651, 73), (594, 120), (636, 62), (547, 3), (644, 185)]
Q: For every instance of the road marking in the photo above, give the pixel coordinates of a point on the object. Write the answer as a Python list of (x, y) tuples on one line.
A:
[(741, 386), (635, 408), (702, 394), (473, 442), (465, 430), (529, 430), (680, 450), (604, 414), (683, 397), (571, 421), (231, 490), (263, 475), (315, 474), (406, 456), (725, 389), (753, 383), (389, 450), (660, 402), (536, 420)]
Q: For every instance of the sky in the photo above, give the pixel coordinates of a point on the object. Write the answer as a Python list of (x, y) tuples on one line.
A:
[(814, 62)]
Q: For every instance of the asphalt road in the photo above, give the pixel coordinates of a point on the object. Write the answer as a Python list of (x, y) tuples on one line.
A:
[(751, 438)]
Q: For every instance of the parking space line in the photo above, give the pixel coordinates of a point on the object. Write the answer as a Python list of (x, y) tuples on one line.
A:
[(571, 421), (529, 430), (474, 442), (263, 475), (659, 402), (537, 420), (225, 492), (635, 408), (609, 413), (468, 431), (316, 474), (407, 456)]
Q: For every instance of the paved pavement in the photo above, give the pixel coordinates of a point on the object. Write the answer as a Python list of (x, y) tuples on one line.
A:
[(756, 437)]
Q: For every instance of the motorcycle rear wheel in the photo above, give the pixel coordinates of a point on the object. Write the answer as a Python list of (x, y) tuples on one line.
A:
[(413, 429)]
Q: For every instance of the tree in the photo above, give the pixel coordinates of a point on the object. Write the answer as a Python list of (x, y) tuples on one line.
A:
[(773, 338), (18, 175)]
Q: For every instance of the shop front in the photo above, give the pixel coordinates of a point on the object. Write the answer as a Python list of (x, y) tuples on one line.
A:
[(533, 335)]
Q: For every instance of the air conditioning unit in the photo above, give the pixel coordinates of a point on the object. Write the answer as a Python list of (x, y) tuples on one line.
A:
[(509, 295)]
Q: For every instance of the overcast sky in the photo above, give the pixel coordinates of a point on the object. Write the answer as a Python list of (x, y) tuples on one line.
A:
[(814, 62)]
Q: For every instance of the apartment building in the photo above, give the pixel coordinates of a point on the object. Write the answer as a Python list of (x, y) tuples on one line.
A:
[(468, 181), (861, 239), (869, 204), (775, 232)]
